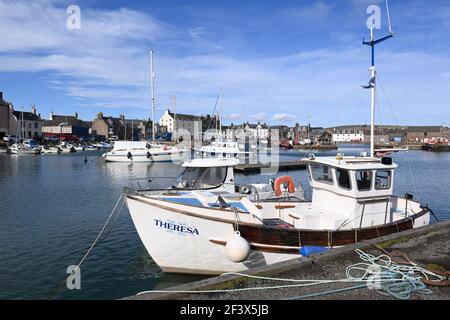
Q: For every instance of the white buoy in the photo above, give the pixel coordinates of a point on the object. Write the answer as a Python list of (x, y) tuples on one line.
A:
[(237, 248)]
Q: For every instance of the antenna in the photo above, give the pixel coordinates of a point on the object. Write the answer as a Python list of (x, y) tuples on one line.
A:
[(389, 18)]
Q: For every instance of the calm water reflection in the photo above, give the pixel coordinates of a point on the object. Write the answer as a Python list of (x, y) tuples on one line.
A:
[(52, 208)]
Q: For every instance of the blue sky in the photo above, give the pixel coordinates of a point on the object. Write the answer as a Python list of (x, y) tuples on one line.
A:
[(277, 61)]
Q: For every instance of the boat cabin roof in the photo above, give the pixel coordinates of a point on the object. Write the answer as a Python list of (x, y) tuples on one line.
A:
[(211, 162), (351, 163), (130, 145)]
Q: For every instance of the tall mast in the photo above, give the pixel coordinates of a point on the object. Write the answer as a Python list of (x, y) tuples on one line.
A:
[(153, 94), (221, 112), (373, 82), (372, 100)]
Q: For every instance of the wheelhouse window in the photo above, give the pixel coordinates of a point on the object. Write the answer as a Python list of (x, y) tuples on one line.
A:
[(201, 178), (383, 179), (343, 178), (364, 180), (321, 173)]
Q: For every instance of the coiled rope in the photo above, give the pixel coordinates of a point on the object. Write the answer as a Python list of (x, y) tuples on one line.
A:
[(380, 273)]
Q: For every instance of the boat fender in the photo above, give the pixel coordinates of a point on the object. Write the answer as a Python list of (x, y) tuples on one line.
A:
[(282, 180), (129, 155), (307, 251), (237, 248), (148, 155)]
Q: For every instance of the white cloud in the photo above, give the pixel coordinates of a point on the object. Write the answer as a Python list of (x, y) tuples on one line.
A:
[(233, 116), (284, 117), (106, 64), (196, 32)]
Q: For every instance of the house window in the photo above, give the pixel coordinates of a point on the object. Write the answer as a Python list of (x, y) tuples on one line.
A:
[(36, 125), (29, 125), (383, 179), (364, 180), (343, 178), (321, 173)]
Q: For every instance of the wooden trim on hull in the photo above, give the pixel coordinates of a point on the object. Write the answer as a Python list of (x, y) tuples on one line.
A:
[(287, 240), (263, 247)]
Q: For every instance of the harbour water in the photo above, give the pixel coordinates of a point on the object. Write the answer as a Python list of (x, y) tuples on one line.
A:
[(52, 208)]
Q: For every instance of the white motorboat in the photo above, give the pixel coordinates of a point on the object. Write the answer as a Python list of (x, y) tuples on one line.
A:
[(50, 150), (102, 145), (223, 149), (141, 151), (66, 148), (205, 228)]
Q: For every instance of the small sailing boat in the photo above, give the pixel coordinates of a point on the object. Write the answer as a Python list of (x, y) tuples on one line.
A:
[(27, 146), (142, 151), (206, 230)]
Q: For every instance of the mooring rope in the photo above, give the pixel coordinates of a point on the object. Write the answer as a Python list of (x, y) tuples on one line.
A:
[(380, 273), (93, 245)]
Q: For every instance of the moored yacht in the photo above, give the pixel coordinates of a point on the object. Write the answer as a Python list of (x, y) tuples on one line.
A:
[(142, 151), (28, 146)]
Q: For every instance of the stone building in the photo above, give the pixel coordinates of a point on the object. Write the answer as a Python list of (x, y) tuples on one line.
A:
[(4, 117), (61, 125)]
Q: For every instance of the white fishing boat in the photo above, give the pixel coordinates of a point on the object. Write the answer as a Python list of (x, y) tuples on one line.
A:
[(195, 230), (202, 231), (141, 151)]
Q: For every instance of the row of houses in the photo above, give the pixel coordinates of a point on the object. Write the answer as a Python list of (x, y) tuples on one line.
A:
[(387, 134), (19, 123), (175, 126)]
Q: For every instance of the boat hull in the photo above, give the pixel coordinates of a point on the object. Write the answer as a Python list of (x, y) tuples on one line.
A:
[(144, 157), (194, 249), (167, 232)]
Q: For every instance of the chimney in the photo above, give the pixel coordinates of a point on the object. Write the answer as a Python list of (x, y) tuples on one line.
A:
[(51, 115), (76, 115), (1, 95), (33, 109), (100, 115)]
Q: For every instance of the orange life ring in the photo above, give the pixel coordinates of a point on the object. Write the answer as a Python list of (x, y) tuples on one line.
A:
[(281, 180)]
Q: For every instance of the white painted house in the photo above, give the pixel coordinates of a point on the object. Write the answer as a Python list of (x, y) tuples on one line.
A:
[(184, 122), (348, 136)]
